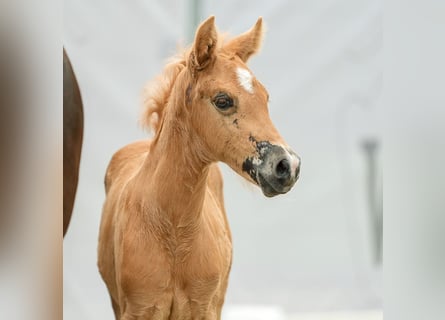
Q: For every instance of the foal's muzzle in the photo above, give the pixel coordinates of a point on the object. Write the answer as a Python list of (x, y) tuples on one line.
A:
[(275, 169)]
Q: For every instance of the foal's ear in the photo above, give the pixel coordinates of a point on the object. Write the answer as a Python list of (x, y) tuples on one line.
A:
[(248, 43), (204, 44)]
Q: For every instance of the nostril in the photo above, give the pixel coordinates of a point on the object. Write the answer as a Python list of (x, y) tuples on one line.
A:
[(282, 170)]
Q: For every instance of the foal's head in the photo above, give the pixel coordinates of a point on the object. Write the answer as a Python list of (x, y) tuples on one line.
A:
[(227, 110)]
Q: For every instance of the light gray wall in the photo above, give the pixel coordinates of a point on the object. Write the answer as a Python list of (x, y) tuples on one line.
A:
[(308, 250)]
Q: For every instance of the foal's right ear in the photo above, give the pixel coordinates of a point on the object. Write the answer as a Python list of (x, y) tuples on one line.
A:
[(248, 43), (204, 45)]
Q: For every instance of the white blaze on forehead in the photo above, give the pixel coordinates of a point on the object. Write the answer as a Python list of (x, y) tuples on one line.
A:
[(245, 79)]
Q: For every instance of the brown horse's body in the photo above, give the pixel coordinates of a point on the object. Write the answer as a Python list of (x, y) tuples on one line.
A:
[(72, 138), (165, 247)]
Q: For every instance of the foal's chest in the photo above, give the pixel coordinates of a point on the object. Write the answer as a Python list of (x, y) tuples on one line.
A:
[(202, 274), (200, 282), (207, 258)]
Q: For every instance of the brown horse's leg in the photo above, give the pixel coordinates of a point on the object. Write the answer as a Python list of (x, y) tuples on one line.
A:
[(72, 138)]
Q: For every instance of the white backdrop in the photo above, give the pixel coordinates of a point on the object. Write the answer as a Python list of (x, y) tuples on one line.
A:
[(309, 250)]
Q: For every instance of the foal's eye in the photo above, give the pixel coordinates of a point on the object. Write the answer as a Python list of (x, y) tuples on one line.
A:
[(222, 101)]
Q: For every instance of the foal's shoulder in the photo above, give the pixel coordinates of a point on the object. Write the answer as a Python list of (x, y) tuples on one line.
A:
[(126, 159)]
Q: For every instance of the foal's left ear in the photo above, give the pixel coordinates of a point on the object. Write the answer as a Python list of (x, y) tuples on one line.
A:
[(248, 43), (204, 44)]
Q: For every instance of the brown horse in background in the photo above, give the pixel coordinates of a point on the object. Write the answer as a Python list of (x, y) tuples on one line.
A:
[(72, 138), (165, 247)]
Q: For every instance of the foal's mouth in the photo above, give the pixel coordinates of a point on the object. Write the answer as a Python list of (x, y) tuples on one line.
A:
[(268, 189)]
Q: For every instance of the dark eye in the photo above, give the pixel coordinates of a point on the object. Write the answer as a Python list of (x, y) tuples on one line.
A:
[(222, 101)]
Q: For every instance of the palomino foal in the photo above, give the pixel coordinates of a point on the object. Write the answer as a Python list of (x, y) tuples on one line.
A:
[(165, 246)]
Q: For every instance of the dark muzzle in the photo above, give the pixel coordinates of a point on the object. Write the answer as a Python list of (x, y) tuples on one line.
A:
[(274, 168)]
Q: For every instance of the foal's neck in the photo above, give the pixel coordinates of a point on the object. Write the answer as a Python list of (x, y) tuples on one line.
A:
[(176, 173)]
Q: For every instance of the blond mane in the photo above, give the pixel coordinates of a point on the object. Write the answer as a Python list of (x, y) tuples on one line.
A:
[(157, 92)]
